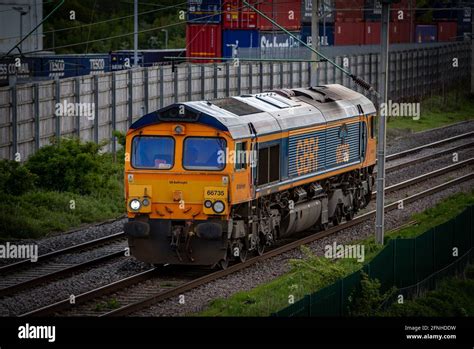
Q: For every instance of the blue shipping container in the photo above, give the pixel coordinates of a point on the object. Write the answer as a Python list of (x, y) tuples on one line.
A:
[(373, 10), (23, 69), (326, 34), (239, 38), (93, 65), (156, 57), (121, 60), (66, 66), (426, 33), (204, 11), (278, 39), (56, 66)]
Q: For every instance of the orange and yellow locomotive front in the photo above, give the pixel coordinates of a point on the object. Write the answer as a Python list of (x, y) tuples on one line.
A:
[(178, 189)]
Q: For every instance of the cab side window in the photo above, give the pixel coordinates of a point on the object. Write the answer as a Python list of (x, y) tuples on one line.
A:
[(241, 156)]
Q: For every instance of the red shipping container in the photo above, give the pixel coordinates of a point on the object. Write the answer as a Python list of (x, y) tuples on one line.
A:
[(286, 13), (372, 33), (231, 14), (248, 17), (403, 11), (348, 33), (400, 32), (447, 31), (349, 10), (204, 40)]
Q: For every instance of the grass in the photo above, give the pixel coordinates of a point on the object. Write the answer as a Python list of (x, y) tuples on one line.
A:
[(35, 214), (312, 273), (110, 304), (62, 186), (436, 112)]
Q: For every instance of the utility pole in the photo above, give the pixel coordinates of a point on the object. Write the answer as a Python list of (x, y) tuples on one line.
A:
[(314, 40), (166, 37), (383, 87), (472, 58), (135, 33)]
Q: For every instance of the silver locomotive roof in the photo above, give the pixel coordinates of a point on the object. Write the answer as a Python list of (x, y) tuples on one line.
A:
[(269, 112)]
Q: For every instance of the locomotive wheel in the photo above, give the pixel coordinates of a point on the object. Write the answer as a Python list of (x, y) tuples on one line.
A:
[(349, 215), (324, 226), (261, 245), (224, 263), (337, 216), (243, 254)]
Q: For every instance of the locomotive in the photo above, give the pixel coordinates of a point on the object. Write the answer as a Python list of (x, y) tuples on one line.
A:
[(208, 182)]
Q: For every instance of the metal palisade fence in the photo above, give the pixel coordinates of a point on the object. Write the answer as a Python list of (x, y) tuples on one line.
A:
[(411, 265), (92, 107)]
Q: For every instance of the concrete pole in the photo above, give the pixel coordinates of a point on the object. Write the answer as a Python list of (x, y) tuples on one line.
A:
[(383, 88), (135, 33), (472, 59), (314, 39)]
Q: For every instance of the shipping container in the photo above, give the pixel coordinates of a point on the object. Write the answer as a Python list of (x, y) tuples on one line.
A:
[(349, 10), (401, 32), (372, 10), (231, 14), (447, 31), (372, 33), (121, 60), (326, 34), (444, 12), (146, 58), (278, 39), (349, 33), (426, 33), (286, 13), (326, 10), (249, 18), (232, 40), (204, 41), (464, 31), (204, 11), (399, 12), (65, 66), (93, 65), (403, 11)]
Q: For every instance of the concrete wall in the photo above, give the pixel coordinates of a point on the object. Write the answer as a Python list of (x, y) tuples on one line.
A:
[(27, 112), (10, 12)]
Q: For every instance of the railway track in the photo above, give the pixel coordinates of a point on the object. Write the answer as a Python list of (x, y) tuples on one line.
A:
[(25, 274), (115, 237), (150, 287)]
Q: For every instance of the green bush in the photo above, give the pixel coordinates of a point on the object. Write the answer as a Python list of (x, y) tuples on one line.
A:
[(76, 167), (59, 187), (367, 300), (15, 179)]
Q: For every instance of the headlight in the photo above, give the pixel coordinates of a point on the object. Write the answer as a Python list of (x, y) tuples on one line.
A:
[(218, 207), (135, 204), (207, 204), (146, 202)]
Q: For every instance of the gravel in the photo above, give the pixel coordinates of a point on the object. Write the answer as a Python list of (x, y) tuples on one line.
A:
[(197, 299), (75, 285), (59, 241), (403, 140)]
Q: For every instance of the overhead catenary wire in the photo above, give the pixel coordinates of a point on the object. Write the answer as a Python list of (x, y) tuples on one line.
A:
[(85, 25), (359, 81)]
